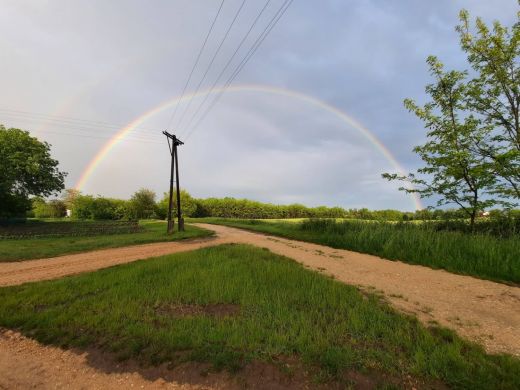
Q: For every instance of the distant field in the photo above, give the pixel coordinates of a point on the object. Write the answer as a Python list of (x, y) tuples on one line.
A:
[(33, 248), (232, 304), (478, 255)]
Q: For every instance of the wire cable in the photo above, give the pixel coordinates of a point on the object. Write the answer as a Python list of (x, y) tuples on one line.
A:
[(125, 138), (227, 64), (245, 60), (67, 120), (80, 130), (212, 60), (195, 64)]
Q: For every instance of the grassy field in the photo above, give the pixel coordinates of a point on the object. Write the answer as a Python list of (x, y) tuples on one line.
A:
[(479, 255), (34, 248), (232, 304)]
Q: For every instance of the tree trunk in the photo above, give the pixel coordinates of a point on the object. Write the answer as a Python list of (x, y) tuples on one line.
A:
[(473, 217)]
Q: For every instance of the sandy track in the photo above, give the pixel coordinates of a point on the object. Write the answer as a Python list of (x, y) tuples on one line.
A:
[(56, 267), (483, 311), (26, 364)]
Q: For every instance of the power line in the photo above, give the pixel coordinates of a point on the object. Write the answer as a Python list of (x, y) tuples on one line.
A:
[(212, 60), (80, 132), (245, 60), (125, 138), (67, 120), (195, 64), (260, 40), (228, 63), (85, 132)]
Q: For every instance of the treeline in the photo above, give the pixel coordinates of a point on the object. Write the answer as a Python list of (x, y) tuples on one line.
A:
[(74, 204), (143, 205)]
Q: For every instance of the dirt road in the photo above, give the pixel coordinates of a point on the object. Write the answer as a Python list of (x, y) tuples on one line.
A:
[(26, 364), (483, 311)]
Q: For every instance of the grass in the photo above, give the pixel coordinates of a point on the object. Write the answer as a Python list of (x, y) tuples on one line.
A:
[(480, 255), (284, 310), (35, 248)]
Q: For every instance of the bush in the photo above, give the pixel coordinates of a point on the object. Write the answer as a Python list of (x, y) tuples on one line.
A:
[(52, 209), (142, 204), (188, 203), (88, 207)]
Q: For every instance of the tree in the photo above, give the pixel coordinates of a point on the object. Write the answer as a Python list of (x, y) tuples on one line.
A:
[(142, 204), (54, 208), (99, 208), (473, 153), (103, 208), (81, 206), (188, 205), (453, 171), (494, 96), (26, 169), (69, 197)]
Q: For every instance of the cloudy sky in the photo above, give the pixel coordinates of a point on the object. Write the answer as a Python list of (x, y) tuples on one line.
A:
[(301, 122)]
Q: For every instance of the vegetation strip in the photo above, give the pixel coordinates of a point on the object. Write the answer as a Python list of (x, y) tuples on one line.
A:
[(479, 255), (285, 310), (38, 229), (36, 248)]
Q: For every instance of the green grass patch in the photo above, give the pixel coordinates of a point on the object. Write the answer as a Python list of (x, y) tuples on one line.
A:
[(231, 304), (35, 248), (481, 255)]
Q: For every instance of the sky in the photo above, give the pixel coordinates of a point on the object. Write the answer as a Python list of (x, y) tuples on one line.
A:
[(315, 117)]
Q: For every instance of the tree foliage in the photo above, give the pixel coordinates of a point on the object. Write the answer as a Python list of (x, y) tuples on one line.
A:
[(96, 208), (54, 208), (472, 153), (188, 203), (453, 171), (26, 169), (142, 204), (494, 96)]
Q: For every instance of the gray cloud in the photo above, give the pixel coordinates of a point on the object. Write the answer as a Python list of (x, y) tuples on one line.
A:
[(113, 61)]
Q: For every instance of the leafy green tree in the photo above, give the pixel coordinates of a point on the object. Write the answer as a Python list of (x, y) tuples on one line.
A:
[(82, 206), (473, 153), (99, 208), (69, 196), (54, 208), (188, 205), (494, 96), (26, 169), (103, 208), (453, 171), (142, 204), (38, 207)]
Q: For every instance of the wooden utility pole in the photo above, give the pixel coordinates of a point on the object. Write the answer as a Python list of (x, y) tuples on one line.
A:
[(180, 220), (174, 163)]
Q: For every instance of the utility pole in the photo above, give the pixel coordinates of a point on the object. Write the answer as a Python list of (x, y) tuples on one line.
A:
[(174, 163)]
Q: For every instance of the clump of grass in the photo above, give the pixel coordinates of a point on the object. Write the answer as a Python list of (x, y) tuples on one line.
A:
[(481, 255), (499, 226), (34, 248), (285, 310)]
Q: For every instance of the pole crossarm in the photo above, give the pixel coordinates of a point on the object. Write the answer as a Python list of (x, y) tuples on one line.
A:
[(173, 138)]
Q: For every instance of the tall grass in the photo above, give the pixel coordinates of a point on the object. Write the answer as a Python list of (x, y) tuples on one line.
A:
[(482, 255), (283, 310)]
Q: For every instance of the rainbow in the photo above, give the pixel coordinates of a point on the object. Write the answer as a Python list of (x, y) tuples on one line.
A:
[(105, 150)]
